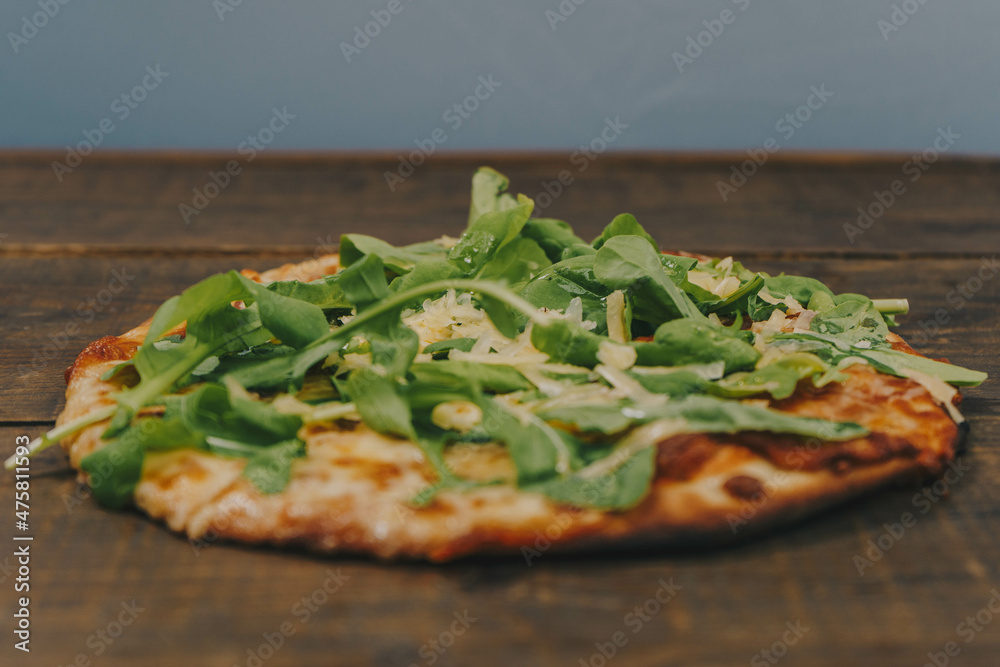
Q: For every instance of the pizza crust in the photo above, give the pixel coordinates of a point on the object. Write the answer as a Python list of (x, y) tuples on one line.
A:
[(351, 491)]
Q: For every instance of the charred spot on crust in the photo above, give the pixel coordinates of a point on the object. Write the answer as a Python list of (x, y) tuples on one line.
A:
[(681, 456), (744, 487)]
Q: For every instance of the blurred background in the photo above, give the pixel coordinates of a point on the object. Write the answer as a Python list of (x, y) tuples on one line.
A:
[(395, 74)]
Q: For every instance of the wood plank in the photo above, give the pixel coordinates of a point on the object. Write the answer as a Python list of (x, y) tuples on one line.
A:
[(55, 308), (211, 605), (792, 204)]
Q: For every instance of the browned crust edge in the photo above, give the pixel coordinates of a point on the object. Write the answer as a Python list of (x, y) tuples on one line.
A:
[(677, 513)]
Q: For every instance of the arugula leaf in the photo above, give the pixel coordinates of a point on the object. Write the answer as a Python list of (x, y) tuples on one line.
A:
[(620, 488), (624, 225), (271, 467), (555, 238), (445, 346), (515, 263), (686, 341), (354, 247), (489, 193), (833, 350), (800, 288), (114, 471), (424, 272), (378, 400), (325, 292), (216, 411), (567, 342), (702, 414), (537, 450), (676, 385), (487, 234), (485, 377), (213, 327), (853, 320), (622, 477), (779, 378), (735, 302), (630, 263), (564, 281), (364, 282)]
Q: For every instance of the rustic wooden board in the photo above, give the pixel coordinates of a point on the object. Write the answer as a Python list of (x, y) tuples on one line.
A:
[(791, 204), (211, 605)]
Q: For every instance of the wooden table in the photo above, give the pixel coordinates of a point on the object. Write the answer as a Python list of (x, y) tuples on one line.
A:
[(96, 253)]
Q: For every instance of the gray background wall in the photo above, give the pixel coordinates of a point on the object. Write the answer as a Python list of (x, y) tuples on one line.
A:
[(891, 90)]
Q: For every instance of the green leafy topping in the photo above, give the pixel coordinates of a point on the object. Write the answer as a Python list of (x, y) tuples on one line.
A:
[(577, 357)]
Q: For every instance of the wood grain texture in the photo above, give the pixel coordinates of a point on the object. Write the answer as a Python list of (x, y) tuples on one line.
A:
[(791, 204), (210, 604)]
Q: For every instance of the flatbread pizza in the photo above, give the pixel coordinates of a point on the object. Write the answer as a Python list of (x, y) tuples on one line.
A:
[(512, 390)]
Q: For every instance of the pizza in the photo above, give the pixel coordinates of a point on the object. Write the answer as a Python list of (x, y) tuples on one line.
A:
[(512, 390)]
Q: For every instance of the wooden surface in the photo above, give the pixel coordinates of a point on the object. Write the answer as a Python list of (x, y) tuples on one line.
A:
[(63, 244)]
